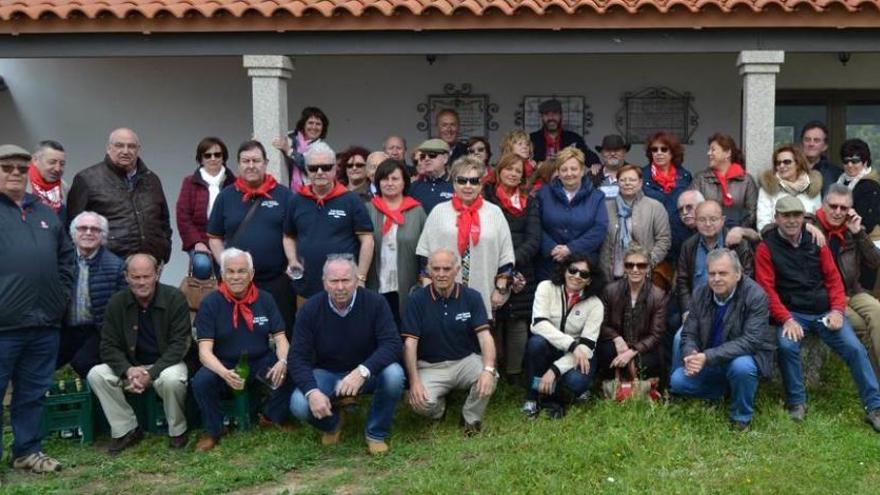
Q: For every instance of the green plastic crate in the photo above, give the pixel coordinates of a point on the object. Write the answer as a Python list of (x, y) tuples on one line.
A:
[(69, 413)]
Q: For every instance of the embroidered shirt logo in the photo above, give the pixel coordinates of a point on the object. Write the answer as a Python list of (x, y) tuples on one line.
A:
[(463, 316), (43, 224), (261, 320), (336, 213), (269, 203), (447, 195)]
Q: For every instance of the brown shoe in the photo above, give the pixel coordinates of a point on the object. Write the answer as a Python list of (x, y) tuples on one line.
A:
[(377, 447), (206, 443), (179, 441), (265, 422), (130, 439), (332, 437)]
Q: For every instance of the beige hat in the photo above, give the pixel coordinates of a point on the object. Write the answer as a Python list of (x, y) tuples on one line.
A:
[(434, 145), (13, 151), (789, 204)]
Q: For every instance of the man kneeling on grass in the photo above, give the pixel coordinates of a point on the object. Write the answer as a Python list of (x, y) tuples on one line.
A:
[(345, 342), (444, 324), (726, 340)]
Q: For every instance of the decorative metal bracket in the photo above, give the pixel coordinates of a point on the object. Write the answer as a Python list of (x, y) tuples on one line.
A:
[(657, 109), (475, 111), (576, 113)]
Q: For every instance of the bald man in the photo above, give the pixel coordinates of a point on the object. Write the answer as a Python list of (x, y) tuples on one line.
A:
[(129, 195)]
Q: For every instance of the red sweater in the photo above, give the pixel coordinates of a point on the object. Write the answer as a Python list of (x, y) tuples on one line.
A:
[(765, 275), (192, 209)]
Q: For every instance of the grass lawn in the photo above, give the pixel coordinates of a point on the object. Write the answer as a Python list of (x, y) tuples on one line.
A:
[(602, 447)]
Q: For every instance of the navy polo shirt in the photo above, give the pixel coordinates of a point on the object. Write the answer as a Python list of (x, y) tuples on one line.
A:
[(262, 236), (322, 230), (446, 327), (431, 192), (147, 347), (214, 322)]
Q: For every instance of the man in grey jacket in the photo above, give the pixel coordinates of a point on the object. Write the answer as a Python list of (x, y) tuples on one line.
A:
[(727, 340)]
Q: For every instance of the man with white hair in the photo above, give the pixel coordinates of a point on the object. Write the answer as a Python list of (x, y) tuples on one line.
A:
[(45, 174), (325, 217), (98, 274), (345, 343), (129, 195)]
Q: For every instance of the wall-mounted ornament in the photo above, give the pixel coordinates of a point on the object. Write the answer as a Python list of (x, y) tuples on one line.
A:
[(475, 111), (657, 109), (576, 114)]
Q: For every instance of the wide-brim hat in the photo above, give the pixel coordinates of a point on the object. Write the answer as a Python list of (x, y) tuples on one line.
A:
[(613, 142)]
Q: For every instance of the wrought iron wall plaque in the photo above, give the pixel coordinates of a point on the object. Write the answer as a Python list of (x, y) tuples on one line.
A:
[(475, 111), (657, 109), (576, 114)]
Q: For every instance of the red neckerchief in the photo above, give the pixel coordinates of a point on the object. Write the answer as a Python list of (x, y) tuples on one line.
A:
[(552, 144), (666, 181), (733, 171), (468, 222), (528, 168), (338, 190), (242, 305), (839, 231), (50, 193), (506, 203), (263, 191), (573, 298), (393, 216), (489, 178)]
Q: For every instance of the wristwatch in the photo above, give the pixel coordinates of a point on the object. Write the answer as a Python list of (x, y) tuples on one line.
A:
[(492, 370), (364, 371)]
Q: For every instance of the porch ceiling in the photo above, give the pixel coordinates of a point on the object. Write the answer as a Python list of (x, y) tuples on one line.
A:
[(147, 16)]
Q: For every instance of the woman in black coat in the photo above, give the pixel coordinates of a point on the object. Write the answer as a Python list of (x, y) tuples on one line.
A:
[(524, 219)]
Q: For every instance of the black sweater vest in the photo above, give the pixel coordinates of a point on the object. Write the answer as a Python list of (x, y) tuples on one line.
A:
[(798, 270)]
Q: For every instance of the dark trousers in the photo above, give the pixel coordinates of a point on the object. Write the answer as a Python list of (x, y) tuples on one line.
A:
[(282, 292), (27, 357), (80, 346), (648, 365), (540, 354), (208, 389), (393, 301)]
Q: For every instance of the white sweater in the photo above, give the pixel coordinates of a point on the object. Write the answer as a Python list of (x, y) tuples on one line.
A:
[(582, 324)]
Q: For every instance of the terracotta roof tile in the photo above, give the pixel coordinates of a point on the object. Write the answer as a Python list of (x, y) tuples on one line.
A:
[(17, 11)]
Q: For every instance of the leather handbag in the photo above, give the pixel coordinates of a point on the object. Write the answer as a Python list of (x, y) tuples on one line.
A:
[(621, 389), (195, 289)]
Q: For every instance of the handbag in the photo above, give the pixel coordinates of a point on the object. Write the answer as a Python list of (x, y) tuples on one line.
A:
[(194, 289), (621, 390)]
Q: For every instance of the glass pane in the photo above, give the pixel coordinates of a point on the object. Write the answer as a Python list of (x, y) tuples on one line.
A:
[(863, 122), (790, 119)]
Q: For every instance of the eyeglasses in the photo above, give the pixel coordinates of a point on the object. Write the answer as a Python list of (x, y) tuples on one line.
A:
[(834, 207), (430, 154), (208, 156), (659, 149), (461, 181), (784, 163), (323, 167), (356, 165), (584, 274), (22, 169), (88, 228), (481, 149), (852, 160), (629, 265)]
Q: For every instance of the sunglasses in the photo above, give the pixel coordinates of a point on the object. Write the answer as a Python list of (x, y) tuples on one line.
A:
[(477, 150), (834, 207), (208, 156), (356, 165), (88, 228), (784, 163), (584, 274), (314, 169), (430, 154), (461, 181), (22, 169), (852, 160), (629, 265), (659, 149)]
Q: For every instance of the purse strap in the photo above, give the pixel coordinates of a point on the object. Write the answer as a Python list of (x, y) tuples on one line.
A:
[(247, 218)]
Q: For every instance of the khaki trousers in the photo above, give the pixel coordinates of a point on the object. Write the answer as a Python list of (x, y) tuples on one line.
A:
[(863, 312), (440, 378), (170, 386)]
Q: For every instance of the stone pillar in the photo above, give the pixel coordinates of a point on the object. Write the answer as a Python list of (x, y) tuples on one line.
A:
[(758, 69), (269, 75)]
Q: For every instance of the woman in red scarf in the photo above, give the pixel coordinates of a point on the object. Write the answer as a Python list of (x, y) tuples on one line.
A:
[(397, 224), (234, 323), (524, 220), (726, 181), (477, 231)]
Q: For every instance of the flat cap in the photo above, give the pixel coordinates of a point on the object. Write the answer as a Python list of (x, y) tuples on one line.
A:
[(13, 151)]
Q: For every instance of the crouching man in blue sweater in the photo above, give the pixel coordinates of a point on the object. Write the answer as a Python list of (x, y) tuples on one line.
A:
[(345, 342)]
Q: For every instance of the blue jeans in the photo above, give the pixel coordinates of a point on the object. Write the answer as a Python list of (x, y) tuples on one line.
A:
[(676, 350), (843, 342), (740, 376), (202, 264), (540, 354), (208, 389), (385, 386), (27, 356)]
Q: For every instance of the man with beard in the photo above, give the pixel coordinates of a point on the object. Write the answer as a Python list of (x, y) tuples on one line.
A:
[(613, 153), (551, 138)]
